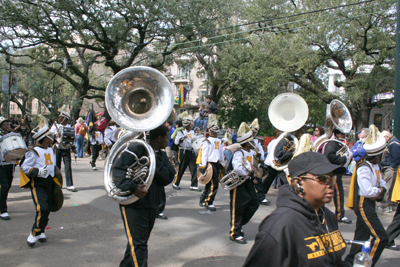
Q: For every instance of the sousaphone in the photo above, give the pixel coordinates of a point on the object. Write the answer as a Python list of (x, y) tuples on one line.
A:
[(138, 99), (287, 112)]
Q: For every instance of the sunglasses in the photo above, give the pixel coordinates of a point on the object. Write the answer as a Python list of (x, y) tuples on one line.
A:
[(323, 179)]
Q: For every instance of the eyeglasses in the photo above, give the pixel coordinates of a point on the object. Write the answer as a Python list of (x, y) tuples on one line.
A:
[(323, 179)]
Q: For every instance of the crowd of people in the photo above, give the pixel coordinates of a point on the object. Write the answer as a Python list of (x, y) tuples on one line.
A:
[(238, 162)]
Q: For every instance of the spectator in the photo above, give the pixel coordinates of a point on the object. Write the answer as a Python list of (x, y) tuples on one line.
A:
[(228, 136), (24, 130), (205, 115), (80, 131), (14, 123), (101, 122), (212, 104), (198, 121)]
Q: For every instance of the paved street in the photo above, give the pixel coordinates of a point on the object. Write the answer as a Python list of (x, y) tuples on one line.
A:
[(88, 230)]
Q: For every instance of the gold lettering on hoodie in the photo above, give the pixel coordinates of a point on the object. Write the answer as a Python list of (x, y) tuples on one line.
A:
[(319, 245)]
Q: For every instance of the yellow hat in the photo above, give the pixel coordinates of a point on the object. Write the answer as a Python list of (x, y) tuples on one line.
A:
[(244, 134), (212, 124)]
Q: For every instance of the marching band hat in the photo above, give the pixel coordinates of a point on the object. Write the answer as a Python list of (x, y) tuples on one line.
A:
[(186, 120), (312, 162), (244, 134), (212, 124), (63, 113), (3, 119), (375, 143), (42, 133)]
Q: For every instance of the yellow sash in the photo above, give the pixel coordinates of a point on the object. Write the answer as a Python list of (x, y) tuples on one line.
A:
[(198, 159), (396, 188), (350, 198), (23, 179)]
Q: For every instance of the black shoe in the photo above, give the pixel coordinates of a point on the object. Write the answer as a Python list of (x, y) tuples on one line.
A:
[(212, 208), (195, 188), (162, 216), (202, 204), (176, 187), (5, 217), (265, 202), (345, 220), (393, 247), (242, 232), (239, 240)]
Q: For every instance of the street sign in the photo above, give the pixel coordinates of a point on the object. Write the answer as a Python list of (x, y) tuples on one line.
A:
[(4, 85), (14, 83)]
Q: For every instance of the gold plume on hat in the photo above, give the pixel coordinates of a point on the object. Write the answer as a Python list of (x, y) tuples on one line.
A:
[(243, 129), (305, 145), (63, 108), (42, 121), (183, 115), (212, 122), (254, 126), (373, 135)]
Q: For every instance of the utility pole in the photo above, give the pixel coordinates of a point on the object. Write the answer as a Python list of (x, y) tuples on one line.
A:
[(396, 102), (9, 91)]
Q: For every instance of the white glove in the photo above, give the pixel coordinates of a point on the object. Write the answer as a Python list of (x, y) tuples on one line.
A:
[(43, 171)]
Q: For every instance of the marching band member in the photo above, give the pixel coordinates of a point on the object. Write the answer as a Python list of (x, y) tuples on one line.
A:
[(139, 217), (243, 198), (6, 173), (366, 187), (186, 155), (63, 152), (255, 127), (301, 231), (109, 135), (211, 152), (38, 165), (330, 151), (393, 229), (95, 145)]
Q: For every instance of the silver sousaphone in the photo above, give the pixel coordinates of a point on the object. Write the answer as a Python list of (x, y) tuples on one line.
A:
[(339, 118), (138, 99)]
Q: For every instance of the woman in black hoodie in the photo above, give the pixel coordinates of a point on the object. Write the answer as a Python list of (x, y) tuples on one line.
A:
[(301, 231)]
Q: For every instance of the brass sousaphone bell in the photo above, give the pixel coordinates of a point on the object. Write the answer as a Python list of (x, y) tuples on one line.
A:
[(204, 179)]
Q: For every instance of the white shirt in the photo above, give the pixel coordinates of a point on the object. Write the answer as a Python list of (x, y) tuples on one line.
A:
[(109, 135), (212, 151), (260, 148), (187, 141), (368, 180), (98, 138), (269, 148), (44, 157), (237, 162)]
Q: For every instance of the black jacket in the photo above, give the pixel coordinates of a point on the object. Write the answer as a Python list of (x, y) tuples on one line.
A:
[(164, 174), (291, 236), (330, 152)]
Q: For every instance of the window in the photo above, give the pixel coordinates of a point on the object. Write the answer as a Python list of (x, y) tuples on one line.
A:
[(378, 121), (184, 72)]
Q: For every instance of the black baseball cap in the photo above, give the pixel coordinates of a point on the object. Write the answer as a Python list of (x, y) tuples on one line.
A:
[(312, 162)]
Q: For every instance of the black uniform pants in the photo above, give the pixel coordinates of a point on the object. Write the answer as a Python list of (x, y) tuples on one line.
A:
[(65, 154), (41, 196), (186, 158), (243, 205), (271, 174), (393, 230), (163, 201), (367, 225), (211, 188), (138, 224), (6, 178), (95, 154), (338, 198)]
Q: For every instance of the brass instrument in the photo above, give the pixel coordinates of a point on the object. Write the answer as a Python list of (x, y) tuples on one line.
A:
[(138, 99), (287, 112), (232, 179), (339, 117)]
